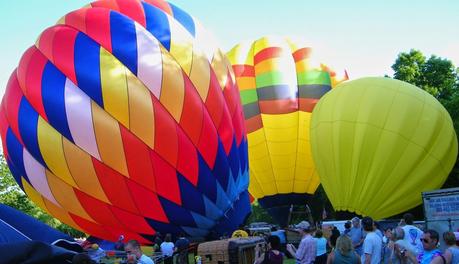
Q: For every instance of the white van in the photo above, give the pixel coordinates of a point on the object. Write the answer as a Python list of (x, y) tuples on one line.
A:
[(339, 224)]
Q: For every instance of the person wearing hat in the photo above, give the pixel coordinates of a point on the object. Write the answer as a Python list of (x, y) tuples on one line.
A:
[(306, 252)]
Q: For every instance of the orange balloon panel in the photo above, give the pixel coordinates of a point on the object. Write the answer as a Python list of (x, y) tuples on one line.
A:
[(125, 119)]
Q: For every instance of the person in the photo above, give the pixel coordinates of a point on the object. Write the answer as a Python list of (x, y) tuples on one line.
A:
[(387, 235), (377, 230), (94, 252), (167, 249), (181, 248), (343, 252), (334, 236), (135, 254), (401, 245), (273, 255), (321, 248), (280, 233), (357, 236), (347, 227), (429, 254), (452, 251), (457, 238), (412, 233), (306, 252), (372, 245), (82, 258), (402, 223), (157, 245), (119, 245), (388, 255)]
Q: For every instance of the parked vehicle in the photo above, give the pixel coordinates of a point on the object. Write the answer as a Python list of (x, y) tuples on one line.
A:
[(441, 210)]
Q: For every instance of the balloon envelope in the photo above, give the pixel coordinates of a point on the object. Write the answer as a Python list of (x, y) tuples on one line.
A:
[(124, 119), (279, 87), (378, 143)]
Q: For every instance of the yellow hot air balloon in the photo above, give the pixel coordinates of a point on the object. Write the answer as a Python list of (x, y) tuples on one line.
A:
[(378, 143), (279, 87)]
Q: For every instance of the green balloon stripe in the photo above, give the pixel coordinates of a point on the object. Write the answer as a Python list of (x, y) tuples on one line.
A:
[(269, 79), (249, 96), (314, 77)]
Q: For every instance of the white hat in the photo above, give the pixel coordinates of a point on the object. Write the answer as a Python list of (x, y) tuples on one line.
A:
[(303, 225)]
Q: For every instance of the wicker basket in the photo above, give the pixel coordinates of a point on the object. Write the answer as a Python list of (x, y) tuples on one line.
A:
[(233, 250)]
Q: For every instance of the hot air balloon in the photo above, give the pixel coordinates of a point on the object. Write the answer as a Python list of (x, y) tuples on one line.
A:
[(378, 143), (279, 87), (124, 119)]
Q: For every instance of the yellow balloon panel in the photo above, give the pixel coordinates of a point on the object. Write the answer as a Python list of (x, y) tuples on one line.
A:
[(279, 86), (378, 143)]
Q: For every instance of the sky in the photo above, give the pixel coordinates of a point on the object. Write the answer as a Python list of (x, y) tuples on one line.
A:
[(363, 37)]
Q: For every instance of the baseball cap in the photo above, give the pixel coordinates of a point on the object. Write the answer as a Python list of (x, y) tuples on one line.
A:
[(303, 225)]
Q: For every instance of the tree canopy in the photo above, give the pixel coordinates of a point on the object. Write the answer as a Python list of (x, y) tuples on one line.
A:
[(436, 75)]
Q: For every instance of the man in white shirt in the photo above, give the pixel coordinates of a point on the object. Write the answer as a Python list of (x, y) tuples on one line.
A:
[(372, 245), (412, 233)]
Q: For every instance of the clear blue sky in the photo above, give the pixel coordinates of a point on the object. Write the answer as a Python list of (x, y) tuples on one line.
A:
[(363, 37)]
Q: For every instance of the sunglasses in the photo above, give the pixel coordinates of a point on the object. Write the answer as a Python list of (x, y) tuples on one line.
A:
[(425, 240)]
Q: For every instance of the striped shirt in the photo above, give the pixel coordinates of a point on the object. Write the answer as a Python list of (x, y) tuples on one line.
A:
[(306, 252)]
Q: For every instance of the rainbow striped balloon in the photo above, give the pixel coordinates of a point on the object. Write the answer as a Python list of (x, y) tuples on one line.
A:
[(125, 119), (279, 85)]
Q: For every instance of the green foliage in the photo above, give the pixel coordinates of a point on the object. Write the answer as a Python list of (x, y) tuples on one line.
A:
[(408, 67), (439, 78), (259, 214), (12, 195), (436, 75)]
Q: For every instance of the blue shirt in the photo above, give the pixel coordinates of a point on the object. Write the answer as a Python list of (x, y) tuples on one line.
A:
[(321, 246), (356, 235), (427, 256)]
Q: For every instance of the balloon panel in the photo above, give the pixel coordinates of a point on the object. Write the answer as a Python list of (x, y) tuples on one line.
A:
[(124, 119), (279, 86), (378, 143)]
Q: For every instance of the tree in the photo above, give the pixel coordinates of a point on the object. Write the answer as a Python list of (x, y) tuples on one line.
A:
[(259, 214), (439, 78), (12, 195), (436, 75), (408, 67)]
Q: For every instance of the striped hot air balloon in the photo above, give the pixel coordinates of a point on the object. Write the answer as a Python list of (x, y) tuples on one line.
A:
[(279, 86), (124, 119)]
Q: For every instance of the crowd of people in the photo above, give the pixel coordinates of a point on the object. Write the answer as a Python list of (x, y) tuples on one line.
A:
[(163, 249), (363, 242)]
